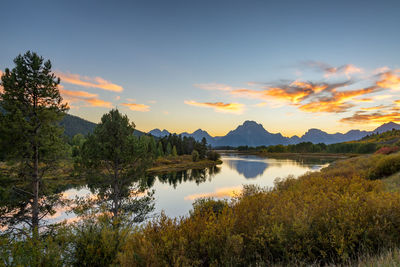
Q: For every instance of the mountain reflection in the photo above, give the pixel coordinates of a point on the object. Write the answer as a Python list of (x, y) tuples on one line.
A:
[(249, 169)]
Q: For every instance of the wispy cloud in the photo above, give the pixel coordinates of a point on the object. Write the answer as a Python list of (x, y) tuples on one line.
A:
[(372, 118), (337, 102), (374, 108), (390, 80), (92, 82), (89, 99), (137, 107), (328, 70), (235, 108), (309, 96)]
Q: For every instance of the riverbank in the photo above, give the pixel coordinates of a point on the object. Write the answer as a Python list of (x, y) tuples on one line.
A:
[(180, 163)]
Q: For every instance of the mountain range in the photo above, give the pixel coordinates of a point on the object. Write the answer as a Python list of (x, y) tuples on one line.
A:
[(250, 133)]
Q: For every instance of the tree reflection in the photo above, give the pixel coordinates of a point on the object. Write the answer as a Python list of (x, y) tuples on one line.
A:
[(194, 175)]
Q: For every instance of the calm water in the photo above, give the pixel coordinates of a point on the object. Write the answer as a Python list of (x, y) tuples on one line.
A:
[(175, 192)]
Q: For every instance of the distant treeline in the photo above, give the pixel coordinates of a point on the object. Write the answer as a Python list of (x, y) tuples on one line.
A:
[(308, 147), (172, 145), (177, 145)]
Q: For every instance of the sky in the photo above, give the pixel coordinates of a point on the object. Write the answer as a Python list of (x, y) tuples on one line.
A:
[(184, 65)]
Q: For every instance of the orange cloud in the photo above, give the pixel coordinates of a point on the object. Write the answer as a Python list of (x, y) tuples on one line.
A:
[(397, 102), (372, 118), (137, 107), (224, 192), (337, 102), (83, 96), (310, 97), (219, 106), (295, 92), (389, 80), (375, 108), (96, 82)]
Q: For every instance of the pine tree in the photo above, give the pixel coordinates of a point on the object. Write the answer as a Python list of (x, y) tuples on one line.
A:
[(115, 161), (174, 153), (30, 132), (160, 150), (169, 149)]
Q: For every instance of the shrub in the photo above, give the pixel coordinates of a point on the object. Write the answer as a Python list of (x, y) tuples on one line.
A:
[(386, 150), (195, 156), (213, 155), (386, 166), (311, 218)]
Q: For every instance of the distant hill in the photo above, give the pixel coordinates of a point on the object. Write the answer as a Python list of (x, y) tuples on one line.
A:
[(74, 125), (250, 133)]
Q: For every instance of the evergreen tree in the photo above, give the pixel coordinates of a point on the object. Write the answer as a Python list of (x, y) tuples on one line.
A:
[(160, 150), (31, 135), (174, 153), (115, 161), (169, 149), (153, 146)]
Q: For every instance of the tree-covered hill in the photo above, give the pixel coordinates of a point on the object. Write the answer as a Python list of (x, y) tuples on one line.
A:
[(74, 125)]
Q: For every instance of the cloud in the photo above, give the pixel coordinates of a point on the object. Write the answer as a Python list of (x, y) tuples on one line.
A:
[(380, 70), (294, 92), (372, 118), (213, 86), (82, 96), (328, 70), (389, 80), (219, 193), (309, 96), (236, 108), (375, 108), (92, 82), (338, 102), (137, 107), (152, 101)]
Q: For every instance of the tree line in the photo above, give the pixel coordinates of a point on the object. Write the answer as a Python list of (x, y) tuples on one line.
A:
[(308, 147)]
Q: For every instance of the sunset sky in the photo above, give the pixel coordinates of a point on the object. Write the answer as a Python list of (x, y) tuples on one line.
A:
[(184, 65)]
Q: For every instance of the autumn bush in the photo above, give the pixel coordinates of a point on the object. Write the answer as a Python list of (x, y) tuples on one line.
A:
[(312, 218), (386, 150), (386, 166)]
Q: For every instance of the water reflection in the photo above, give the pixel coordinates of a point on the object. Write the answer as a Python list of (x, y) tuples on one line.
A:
[(251, 166), (195, 175), (249, 169)]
